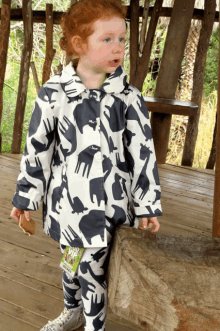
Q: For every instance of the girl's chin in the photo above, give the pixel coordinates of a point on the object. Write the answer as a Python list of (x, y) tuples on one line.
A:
[(113, 67)]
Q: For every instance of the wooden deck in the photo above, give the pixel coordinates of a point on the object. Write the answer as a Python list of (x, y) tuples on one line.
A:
[(31, 279)]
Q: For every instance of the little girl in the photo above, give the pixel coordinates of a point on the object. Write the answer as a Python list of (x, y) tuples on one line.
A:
[(90, 157)]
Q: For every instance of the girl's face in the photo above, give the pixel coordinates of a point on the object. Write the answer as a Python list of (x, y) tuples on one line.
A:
[(106, 44)]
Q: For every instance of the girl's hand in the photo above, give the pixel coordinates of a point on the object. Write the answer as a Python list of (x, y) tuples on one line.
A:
[(152, 220), (15, 213)]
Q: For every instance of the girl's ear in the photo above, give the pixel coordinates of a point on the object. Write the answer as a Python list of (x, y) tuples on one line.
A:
[(78, 45)]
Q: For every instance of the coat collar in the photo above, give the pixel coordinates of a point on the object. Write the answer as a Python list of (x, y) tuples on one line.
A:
[(73, 86)]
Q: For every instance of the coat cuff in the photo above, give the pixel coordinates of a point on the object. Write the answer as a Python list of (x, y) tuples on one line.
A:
[(24, 203), (148, 211)]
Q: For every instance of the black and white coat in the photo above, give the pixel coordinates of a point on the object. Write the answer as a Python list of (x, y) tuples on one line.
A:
[(90, 157)]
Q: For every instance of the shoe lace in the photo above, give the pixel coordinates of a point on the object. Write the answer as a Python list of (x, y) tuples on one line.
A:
[(66, 314)]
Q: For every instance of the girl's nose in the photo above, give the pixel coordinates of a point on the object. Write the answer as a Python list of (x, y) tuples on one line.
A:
[(118, 47)]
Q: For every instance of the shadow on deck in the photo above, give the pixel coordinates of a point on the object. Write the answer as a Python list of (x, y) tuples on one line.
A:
[(31, 280)]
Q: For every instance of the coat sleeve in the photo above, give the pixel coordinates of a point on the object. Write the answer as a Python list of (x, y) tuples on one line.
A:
[(141, 159), (36, 160)]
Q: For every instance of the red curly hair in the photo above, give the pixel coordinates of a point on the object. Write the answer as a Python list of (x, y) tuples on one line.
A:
[(79, 19)]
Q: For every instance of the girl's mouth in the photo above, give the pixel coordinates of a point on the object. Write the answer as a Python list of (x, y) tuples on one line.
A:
[(114, 63)]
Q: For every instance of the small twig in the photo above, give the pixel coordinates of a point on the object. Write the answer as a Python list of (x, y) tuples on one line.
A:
[(11, 87), (34, 72)]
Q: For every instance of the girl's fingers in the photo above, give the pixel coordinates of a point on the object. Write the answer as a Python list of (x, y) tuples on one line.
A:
[(15, 213), (157, 226), (148, 223), (27, 215)]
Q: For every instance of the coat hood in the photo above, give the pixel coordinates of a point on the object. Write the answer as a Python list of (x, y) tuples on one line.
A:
[(73, 86)]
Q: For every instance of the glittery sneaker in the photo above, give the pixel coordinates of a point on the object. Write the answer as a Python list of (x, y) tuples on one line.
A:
[(69, 320)]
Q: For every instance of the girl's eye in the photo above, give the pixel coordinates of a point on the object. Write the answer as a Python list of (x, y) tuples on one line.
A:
[(123, 39)]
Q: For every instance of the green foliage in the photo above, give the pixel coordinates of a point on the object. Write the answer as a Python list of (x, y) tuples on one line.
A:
[(211, 69)]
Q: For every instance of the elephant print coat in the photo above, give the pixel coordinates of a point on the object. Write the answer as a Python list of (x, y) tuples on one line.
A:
[(90, 157)]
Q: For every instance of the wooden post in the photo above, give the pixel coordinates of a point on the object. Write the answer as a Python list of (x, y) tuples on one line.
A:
[(72, 2), (34, 72), (4, 38), (50, 52), (167, 81), (212, 156), (134, 33), (216, 209), (141, 64), (24, 76), (198, 81)]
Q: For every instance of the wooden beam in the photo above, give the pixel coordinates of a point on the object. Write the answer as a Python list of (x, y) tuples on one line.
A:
[(50, 52), (24, 77), (39, 16), (142, 63), (170, 106), (216, 209), (170, 67), (4, 40), (198, 82)]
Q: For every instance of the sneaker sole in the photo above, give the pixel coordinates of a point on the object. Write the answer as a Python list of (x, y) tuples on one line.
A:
[(76, 327)]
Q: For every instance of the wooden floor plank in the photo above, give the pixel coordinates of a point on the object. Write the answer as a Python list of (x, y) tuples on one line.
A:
[(45, 258), (11, 323), (29, 267), (26, 316), (30, 276), (39, 285), (33, 243), (14, 157), (174, 167), (30, 299)]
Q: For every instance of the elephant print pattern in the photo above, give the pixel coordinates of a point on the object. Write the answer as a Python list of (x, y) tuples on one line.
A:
[(90, 157), (88, 288)]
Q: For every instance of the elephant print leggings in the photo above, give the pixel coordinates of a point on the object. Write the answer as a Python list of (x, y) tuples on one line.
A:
[(88, 289)]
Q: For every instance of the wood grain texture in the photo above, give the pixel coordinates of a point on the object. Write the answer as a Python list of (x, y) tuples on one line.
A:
[(164, 282)]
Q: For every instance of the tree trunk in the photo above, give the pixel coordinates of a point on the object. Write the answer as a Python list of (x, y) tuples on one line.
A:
[(167, 81), (198, 81), (50, 52), (165, 283), (24, 76), (186, 85), (4, 38), (212, 157)]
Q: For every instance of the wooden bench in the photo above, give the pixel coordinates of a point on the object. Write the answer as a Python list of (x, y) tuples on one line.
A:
[(164, 282), (170, 106)]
